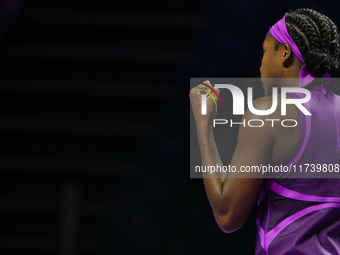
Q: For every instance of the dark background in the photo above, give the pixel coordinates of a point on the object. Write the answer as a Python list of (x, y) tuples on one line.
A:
[(94, 121)]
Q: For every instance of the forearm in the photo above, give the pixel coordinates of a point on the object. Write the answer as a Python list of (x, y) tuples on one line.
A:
[(209, 152), (213, 182), (230, 198)]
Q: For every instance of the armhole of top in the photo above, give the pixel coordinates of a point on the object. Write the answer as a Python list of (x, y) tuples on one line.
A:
[(305, 127)]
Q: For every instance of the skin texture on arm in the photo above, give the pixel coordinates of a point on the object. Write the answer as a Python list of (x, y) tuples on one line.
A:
[(231, 198)]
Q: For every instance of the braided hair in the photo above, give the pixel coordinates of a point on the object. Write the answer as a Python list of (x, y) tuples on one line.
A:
[(317, 39)]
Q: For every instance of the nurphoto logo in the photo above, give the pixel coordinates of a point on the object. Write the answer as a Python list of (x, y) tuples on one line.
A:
[(238, 104)]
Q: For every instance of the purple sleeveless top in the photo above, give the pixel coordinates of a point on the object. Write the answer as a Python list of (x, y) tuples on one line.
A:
[(302, 216)]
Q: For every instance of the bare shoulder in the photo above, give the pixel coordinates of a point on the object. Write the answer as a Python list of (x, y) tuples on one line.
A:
[(263, 103), (281, 128), (258, 126), (269, 102)]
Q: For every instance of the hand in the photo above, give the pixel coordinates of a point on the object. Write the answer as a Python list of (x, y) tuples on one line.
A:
[(196, 103)]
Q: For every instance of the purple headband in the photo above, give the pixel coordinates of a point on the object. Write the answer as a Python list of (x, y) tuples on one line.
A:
[(280, 33)]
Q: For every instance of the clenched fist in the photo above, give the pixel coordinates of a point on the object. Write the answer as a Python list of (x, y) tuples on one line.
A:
[(196, 94)]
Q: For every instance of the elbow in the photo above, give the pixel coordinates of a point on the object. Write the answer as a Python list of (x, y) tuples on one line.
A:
[(229, 223)]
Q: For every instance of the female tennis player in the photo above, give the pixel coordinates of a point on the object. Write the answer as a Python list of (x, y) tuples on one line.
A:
[(295, 216)]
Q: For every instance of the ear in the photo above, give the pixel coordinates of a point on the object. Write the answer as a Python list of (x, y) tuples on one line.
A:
[(287, 55)]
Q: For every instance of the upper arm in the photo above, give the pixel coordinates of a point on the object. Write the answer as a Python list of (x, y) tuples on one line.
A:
[(253, 148)]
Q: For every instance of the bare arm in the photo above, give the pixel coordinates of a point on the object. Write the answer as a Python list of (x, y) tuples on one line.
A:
[(233, 198)]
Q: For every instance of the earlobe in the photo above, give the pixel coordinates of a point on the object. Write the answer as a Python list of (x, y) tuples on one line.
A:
[(286, 54)]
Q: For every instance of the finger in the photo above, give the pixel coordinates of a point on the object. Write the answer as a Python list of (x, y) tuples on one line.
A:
[(201, 89), (196, 91), (204, 84), (207, 83), (207, 86), (213, 91), (211, 96)]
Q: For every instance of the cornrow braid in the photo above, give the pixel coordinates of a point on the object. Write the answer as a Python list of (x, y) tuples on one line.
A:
[(306, 28), (298, 37), (319, 19), (317, 39)]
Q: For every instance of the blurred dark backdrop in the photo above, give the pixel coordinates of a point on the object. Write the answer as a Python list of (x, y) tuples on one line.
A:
[(95, 121)]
